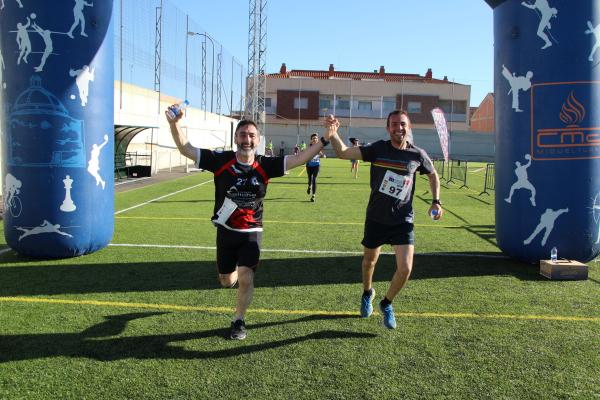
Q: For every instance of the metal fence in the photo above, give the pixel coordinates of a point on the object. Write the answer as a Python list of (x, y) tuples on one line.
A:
[(490, 180), (440, 167), (159, 47), (458, 172)]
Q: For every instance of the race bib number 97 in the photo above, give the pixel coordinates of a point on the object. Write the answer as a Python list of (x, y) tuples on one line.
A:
[(395, 185)]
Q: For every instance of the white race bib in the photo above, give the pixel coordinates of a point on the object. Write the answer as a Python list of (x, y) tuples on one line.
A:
[(225, 211), (396, 186)]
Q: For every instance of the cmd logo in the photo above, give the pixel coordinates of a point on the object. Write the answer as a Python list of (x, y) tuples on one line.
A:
[(560, 126)]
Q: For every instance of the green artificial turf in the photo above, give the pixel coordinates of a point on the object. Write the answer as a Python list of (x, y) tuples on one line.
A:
[(131, 322)]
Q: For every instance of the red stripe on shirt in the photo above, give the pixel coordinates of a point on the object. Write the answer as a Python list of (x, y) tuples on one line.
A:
[(261, 171), (225, 166)]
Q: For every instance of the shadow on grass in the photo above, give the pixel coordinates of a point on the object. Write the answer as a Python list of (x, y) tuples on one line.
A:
[(48, 278), (97, 342), (480, 200)]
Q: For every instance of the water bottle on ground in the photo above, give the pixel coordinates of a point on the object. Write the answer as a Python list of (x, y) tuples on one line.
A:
[(553, 255), (177, 109)]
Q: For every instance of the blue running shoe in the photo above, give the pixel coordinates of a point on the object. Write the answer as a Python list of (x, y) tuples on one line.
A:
[(389, 320), (366, 304)]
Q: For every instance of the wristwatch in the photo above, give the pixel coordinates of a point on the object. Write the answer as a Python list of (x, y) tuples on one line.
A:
[(436, 201), (324, 141)]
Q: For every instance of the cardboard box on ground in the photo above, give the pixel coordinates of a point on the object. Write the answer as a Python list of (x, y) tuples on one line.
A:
[(563, 270)]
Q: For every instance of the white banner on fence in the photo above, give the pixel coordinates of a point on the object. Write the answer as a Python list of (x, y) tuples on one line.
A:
[(442, 129)]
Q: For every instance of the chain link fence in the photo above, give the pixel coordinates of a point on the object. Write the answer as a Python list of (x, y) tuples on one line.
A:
[(160, 47)]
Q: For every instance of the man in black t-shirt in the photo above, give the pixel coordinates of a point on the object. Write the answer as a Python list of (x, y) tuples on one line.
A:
[(241, 179), (389, 218)]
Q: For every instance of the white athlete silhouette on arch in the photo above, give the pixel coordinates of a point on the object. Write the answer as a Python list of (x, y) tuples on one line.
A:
[(596, 32), (596, 214), (18, 2), (546, 13), (94, 163), (23, 41), (2, 67), (45, 227), (547, 220), (78, 17), (85, 75), (48, 48), (517, 83), (522, 181)]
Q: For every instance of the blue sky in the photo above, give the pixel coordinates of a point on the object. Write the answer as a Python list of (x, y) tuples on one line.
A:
[(452, 37)]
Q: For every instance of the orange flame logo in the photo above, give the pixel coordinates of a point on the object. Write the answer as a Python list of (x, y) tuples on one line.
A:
[(572, 111)]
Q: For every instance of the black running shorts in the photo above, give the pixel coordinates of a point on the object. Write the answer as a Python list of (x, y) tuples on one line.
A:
[(237, 248), (377, 234)]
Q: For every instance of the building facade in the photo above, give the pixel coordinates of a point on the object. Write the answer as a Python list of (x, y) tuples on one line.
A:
[(482, 119), (296, 100)]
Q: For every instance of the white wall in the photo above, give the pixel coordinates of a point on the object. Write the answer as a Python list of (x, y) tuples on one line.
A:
[(139, 106)]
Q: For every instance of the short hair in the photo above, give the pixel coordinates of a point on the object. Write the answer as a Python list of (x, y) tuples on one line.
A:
[(396, 112), (313, 135), (246, 122)]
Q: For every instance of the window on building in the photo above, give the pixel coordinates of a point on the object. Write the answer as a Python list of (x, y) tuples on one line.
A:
[(414, 107), (446, 106), (389, 105), (301, 103), (325, 104), (460, 106), (343, 104), (365, 105), (267, 102)]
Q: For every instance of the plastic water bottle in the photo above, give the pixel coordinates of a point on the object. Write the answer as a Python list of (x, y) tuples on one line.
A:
[(177, 109), (553, 255), (433, 214)]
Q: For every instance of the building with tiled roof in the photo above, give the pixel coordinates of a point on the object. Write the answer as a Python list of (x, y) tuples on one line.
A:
[(362, 99), (297, 100)]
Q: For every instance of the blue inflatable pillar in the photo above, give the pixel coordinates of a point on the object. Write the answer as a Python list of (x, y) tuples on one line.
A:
[(547, 110), (56, 123)]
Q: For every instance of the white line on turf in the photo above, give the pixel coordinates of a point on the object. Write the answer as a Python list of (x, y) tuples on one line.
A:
[(161, 197), (131, 181), (165, 246)]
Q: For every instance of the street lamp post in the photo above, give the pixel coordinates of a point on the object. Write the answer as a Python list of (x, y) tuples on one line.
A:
[(212, 74)]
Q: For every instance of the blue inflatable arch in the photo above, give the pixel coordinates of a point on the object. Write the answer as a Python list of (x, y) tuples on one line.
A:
[(57, 127), (547, 117)]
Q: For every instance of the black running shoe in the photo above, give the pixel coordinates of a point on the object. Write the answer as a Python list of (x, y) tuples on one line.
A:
[(308, 190), (238, 330)]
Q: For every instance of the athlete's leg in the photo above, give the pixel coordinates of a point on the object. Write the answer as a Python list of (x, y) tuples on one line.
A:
[(314, 180), (546, 234), (404, 263), (512, 190), (244, 292), (370, 257), (228, 280), (534, 234), (532, 189)]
